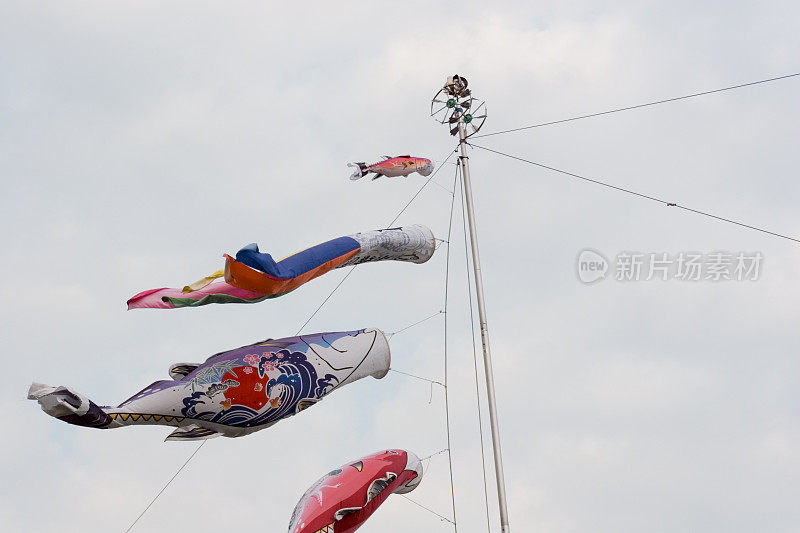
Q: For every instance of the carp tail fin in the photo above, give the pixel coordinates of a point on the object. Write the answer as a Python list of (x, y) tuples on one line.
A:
[(360, 173), (67, 405)]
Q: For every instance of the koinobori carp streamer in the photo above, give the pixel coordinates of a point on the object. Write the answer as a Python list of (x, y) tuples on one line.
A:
[(392, 167), (342, 500), (236, 392)]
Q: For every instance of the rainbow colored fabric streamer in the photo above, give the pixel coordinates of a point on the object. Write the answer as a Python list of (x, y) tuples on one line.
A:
[(253, 276)]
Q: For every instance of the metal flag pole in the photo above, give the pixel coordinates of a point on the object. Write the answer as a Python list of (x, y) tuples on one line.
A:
[(463, 111)]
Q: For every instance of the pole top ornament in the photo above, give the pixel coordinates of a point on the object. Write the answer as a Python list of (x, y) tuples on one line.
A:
[(454, 104)]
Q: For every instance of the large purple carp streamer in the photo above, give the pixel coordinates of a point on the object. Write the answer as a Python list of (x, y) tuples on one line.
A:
[(237, 392), (253, 276)]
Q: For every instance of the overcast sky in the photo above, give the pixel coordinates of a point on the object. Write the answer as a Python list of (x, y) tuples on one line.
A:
[(139, 141)]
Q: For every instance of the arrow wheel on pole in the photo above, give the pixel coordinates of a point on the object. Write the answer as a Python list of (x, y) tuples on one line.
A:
[(454, 103)]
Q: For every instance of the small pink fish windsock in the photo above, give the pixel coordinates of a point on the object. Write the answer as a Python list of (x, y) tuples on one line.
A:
[(392, 167)]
